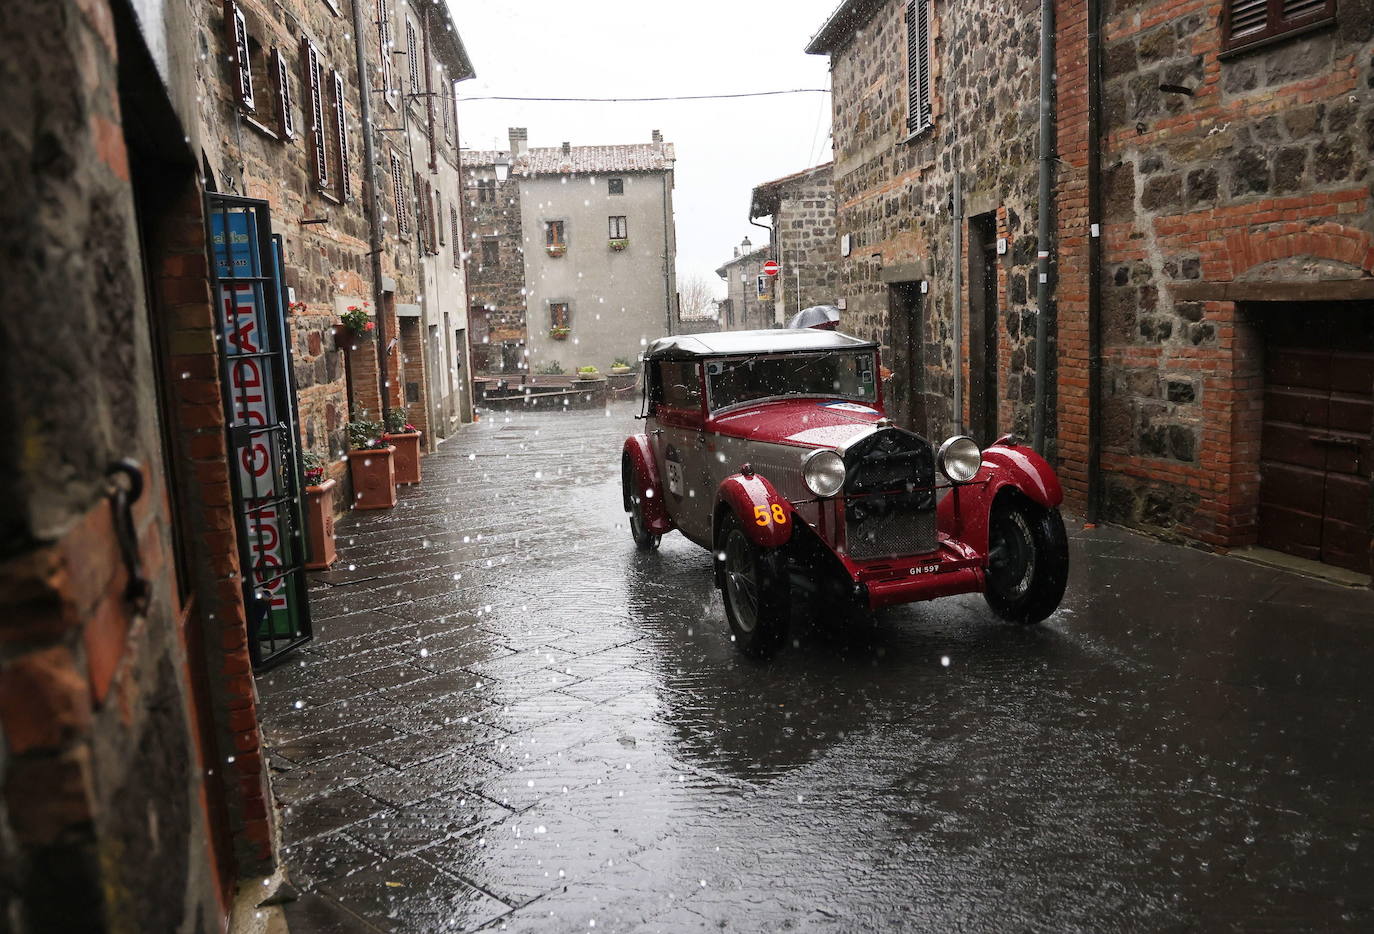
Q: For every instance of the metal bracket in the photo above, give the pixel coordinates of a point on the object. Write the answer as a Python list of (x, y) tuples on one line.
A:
[(123, 494)]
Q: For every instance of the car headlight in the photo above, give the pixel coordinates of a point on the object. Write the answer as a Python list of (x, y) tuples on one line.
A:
[(823, 472), (959, 458)]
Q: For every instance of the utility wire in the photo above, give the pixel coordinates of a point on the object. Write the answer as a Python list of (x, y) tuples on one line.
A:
[(628, 100)]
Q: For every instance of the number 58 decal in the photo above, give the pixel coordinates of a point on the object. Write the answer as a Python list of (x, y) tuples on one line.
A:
[(763, 516)]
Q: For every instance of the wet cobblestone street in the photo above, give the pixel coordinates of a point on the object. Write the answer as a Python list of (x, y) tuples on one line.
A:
[(510, 718)]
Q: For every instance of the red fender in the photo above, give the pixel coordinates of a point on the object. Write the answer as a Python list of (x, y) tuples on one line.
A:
[(964, 513), (641, 458), (757, 505)]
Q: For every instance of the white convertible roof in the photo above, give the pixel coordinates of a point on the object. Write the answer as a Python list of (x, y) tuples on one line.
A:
[(774, 340)]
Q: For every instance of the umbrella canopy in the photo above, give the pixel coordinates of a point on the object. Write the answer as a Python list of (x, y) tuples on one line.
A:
[(826, 317)]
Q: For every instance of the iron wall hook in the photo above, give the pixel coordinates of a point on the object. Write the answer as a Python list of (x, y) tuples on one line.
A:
[(126, 487)]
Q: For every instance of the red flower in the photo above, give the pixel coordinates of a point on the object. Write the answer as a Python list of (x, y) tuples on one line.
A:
[(370, 325)]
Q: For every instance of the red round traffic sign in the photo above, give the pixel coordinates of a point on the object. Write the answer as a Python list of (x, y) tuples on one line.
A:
[(771, 268)]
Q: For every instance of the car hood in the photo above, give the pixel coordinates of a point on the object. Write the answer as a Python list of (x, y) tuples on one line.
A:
[(808, 423)]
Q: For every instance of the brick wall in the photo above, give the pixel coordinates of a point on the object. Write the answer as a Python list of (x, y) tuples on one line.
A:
[(1260, 174)]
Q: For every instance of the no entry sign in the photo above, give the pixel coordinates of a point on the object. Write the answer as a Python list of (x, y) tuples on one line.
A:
[(771, 268)]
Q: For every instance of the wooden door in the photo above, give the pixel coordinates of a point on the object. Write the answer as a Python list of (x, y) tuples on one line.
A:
[(1316, 454)]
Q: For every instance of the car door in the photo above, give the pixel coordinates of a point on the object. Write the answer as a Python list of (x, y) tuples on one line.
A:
[(679, 443)]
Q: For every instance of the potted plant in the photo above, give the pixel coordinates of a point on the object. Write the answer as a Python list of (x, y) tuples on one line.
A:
[(620, 366), (372, 465), (588, 372), (559, 333), (319, 512), (619, 243), (556, 249), (405, 437), (353, 324)]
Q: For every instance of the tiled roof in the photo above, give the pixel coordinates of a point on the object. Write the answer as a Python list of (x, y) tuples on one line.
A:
[(764, 200), (631, 157)]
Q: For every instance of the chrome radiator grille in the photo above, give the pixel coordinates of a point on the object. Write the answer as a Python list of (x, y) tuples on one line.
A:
[(889, 534)]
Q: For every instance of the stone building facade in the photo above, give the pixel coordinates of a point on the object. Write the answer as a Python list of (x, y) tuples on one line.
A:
[(496, 262), (748, 301), (929, 97), (1237, 330), (591, 229), (803, 241)]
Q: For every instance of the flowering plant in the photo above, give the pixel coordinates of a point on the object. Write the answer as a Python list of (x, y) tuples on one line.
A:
[(356, 320), (312, 465), (559, 333), (296, 307), (365, 435), (396, 423)]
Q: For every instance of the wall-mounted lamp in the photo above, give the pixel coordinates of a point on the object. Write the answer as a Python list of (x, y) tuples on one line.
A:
[(502, 166)]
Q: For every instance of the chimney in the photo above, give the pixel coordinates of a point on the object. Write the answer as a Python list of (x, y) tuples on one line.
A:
[(567, 148), (658, 137), (519, 141)]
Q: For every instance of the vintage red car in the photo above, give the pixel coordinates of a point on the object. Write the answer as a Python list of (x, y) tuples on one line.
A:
[(771, 448)]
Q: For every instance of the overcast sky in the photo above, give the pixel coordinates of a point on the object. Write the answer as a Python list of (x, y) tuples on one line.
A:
[(586, 48)]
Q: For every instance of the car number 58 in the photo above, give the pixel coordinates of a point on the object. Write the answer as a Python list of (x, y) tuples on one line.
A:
[(763, 516)]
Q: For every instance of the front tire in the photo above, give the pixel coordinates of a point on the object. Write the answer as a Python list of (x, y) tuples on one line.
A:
[(1028, 560), (645, 540), (755, 589)]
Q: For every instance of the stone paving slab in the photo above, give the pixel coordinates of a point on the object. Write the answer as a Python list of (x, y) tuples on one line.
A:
[(511, 720)]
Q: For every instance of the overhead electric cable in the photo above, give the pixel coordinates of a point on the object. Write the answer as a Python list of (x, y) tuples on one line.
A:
[(630, 100)]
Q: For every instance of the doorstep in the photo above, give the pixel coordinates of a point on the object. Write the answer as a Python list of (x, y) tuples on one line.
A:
[(1304, 566)]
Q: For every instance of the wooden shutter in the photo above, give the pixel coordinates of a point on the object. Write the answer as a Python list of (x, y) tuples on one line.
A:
[(456, 240), (286, 105), (439, 216), (1249, 22), (341, 130), (236, 28), (314, 79), (413, 57), (384, 43), (398, 188), (918, 65)]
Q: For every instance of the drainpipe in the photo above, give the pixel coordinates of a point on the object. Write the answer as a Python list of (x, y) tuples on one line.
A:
[(371, 199), (958, 310), (1094, 504), (1042, 238)]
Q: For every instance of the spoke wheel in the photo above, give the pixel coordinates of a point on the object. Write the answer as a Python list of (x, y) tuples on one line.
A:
[(754, 588), (1028, 560)]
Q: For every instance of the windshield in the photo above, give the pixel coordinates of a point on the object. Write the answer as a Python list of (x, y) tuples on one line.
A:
[(746, 379)]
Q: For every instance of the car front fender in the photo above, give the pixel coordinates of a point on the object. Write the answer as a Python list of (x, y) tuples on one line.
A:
[(638, 459), (965, 512), (757, 505)]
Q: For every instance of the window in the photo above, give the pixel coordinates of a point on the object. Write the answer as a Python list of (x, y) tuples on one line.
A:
[(844, 375), (286, 109), (413, 57), (439, 216), (1250, 22), (319, 142), (918, 65), (676, 384), (429, 234), (491, 252), (384, 43), (615, 186), (619, 230), (237, 27), (455, 239), (554, 237), (447, 103), (486, 190), (398, 191), (559, 315), (344, 188)]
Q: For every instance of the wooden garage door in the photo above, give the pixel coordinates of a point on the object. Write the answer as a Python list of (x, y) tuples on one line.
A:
[(1316, 453)]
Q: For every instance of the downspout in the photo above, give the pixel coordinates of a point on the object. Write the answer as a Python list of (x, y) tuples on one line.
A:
[(1094, 504), (958, 306), (669, 257), (1042, 238), (370, 196)]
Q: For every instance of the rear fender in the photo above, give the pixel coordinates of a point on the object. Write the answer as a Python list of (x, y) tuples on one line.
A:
[(765, 514), (964, 514), (638, 462)]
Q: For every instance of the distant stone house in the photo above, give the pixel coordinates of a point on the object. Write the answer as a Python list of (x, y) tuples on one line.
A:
[(803, 243), (592, 228), (495, 252), (749, 303)]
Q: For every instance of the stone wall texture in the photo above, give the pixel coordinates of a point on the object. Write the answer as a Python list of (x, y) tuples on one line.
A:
[(747, 309), (497, 271), (805, 244)]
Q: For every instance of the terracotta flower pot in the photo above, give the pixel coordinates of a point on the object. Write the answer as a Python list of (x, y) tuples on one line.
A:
[(374, 478), (319, 525), (407, 456)]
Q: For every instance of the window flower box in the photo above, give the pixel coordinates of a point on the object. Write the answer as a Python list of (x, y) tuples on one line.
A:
[(619, 244), (559, 334), (556, 249)]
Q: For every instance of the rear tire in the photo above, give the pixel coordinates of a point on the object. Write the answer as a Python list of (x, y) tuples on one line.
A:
[(754, 588), (1028, 560), (645, 540)]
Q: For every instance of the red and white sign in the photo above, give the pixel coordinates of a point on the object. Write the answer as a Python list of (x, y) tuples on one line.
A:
[(771, 268)]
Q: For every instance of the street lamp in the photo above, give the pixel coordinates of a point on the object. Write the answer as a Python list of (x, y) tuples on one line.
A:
[(502, 166)]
